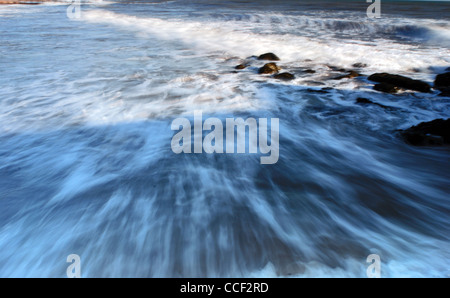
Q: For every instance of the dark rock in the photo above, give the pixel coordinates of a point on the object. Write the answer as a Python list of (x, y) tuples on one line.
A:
[(335, 68), (269, 56), (351, 74), (400, 81), (359, 65), (442, 82), (322, 91), (310, 71), (385, 87), (242, 66), (285, 76), (363, 100), (436, 132), (269, 68)]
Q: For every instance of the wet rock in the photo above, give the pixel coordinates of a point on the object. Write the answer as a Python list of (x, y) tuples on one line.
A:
[(359, 65), (442, 82), (285, 76), (362, 100), (335, 68), (242, 66), (269, 56), (400, 81), (386, 88), (269, 68), (351, 74), (321, 91), (309, 71), (433, 133)]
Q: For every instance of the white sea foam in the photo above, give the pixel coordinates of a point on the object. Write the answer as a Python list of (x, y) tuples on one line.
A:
[(229, 37)]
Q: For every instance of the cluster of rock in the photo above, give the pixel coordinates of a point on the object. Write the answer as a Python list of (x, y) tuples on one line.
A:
[(436, 132), (432, 133), (391, 83), (270, 68)]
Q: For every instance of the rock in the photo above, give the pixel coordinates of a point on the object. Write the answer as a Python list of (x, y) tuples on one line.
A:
[(310, 71), (285, 76), (242, 66), (386, 88), (442, 82), (400, 81), (269, 56), (436, 132), (322, 91), (351, 74), (269, 68), (335, 68), (359, 65), (362, 100)]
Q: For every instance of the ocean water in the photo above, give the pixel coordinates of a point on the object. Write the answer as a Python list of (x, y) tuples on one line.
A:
[(86, 166)]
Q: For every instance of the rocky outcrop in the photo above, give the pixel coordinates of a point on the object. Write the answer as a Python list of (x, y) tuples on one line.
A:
[(365, 101), (336, 68), (442, 82), (350, 74), (269, 56), (359, 65), (242, 66), (269, 68), (436, 132), (285, 76), (386, 88), (400, 82), (321, 91)]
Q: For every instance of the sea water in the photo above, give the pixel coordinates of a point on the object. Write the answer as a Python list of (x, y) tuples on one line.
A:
[(86, 166)]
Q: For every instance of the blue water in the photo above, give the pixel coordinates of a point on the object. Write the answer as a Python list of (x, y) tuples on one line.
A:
[(86, 165)]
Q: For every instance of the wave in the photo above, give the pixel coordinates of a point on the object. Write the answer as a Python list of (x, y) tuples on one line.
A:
[(234, 39)]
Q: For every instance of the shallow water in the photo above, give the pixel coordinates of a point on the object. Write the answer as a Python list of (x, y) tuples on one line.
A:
[(86, 165)]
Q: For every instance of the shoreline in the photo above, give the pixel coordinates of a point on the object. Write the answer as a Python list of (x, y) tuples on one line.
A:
[(25, 2)]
